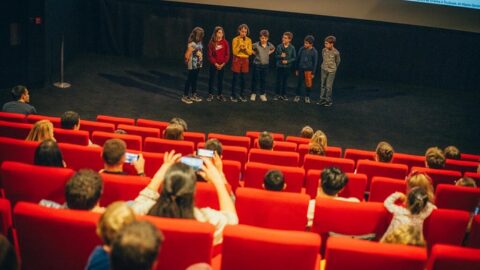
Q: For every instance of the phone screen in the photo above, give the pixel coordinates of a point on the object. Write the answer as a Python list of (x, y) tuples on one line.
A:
[(195, 163), (130, 157), (205, 153)]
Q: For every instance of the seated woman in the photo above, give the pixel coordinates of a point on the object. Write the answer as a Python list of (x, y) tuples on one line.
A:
[(48, 154), (41, 130)]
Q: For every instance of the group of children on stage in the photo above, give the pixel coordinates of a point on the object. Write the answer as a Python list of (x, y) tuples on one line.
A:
[(304, 63)]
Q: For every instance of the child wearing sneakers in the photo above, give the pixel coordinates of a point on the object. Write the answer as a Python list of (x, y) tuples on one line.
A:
[(262, 51), (241, 50), (218, 56), (306, 66), (285, 57), (331, 61), (193, 60)]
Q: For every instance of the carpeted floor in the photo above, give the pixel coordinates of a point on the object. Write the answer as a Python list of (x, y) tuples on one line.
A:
[(364, 112)]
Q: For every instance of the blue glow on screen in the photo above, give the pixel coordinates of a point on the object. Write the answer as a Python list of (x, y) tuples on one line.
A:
[(464, 4)]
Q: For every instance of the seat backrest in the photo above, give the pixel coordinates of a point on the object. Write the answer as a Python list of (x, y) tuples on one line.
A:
[(232, 171), (280, 158), (92, 126), (134, 142), (42, 231), (315, 162), (357, 155), (79, 157), (255, 173), (115, 120), (206, 196), (33, 118), (373, 168), (409, 160), (354, 188), (242, 141), (121, 187), (332, 151), (253, 135), (279, 146), (194, 239), (13, 117), (445, 226), (80, 137), (158, 145), (140, 131), (475, 176), (382, 187), (455, 197), (297, 140), (195, 137), (470, 157), (5, 216), (153, 162), (345, 253), (440, 176), (24, 182), (17, 150), (272, 209), (461, 165), (15, 130), (152, 123), (236, 153), (474, 237), (248, 247), (445, 257)]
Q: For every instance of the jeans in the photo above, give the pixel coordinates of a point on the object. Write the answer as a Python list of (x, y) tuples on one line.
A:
[(282, 79), (191, 81), (234, 82), (326, 79), (211, 80), (259, 73)]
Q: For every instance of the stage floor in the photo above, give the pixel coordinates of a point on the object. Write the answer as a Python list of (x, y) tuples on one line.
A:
[(411, 118)]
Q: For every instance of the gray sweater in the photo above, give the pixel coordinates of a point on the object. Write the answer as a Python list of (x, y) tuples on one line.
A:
[(262, 55), (331, 59)]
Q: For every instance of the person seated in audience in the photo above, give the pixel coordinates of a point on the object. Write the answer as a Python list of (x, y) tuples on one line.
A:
[(421, 179), (332, 181), (384, 152), (173, 132), (417, 209), (452, 152), (136, 246), (113, 155), (265, 141), (120, 131), (320, 138), (181, 122), (71, 120), (199, 266), (306, 132), (466, 182), (8, 256), (116, 216), (48, 154), (177, 196), (434, 158), (82, 192), (214, 145), (405, 234), (316, 149), (274, 181), (41, 130), (21, 98)]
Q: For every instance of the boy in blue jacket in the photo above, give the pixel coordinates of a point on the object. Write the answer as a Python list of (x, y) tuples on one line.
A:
[(306, 66)]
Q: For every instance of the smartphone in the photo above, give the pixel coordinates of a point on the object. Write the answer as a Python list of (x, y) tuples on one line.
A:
[(130, 157), (195, 163), (205, 153)]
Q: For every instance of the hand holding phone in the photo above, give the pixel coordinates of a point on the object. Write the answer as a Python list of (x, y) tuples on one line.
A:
[(205, 153), (130, 157), (195, 163)]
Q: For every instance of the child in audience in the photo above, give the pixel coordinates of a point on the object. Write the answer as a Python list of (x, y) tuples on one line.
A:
[(306, 67), (331, 61), (218, 56), (193, 60), (320, 138), (265, 141), (285, 56), (262, 51), (306, 132), (173, 132), (434, 158), (405, 234), (452, 152), (316, 149), (384, 152), (241, 50), (48, 153), (180, 121), (466, 182), (41, 130), (274, 181), (417, 209), (421, 179)]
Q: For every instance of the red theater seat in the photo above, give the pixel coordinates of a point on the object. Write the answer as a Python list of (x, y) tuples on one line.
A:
[(357, 155), (248, 247), (279, 158), (232, 170), (254, 135), (344, 253), (470, 157), (236, 153), (440, 176), (445, 226), (474, 237), (140, 131), (206, 196), (195, 137), (134, 142), (373, 168), (382, 187), (121, 187), (409, 160), (332, 151), (474, 176), (297, 140), (279, 146), (461, 165), (92, 126), (272, 209), (255, 172), (5, 217), (13, 117), (115, 120), (17, 150), (315, 162), (445, 257), (79, 157), (153, 162), (33, 118), (231, 140), (15, 130), (354, 188), (153, 124), (158, 145), (460, 198), (80, 137)]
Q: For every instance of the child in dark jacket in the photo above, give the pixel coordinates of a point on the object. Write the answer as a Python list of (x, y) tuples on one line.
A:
[(285, 57), (306, 67), (218, 56)]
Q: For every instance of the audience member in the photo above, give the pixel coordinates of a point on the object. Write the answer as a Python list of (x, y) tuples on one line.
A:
[(384, 152), (274, 181), (316, 149), (265, 141), (434, 158), (466, 182), (48, 154), (452, 152), (8, 257), (21, 98), (306, 132), (41, 130), (421, 179), (320, 138), (181, 122), (214, 145), (113, 154), (173, 132), (405, 234), (70, 120)]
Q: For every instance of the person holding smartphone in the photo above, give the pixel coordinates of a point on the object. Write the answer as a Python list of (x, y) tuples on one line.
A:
[(115, 156)]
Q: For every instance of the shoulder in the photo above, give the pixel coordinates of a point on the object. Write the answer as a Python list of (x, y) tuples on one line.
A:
[(191, 44), (99, 259)]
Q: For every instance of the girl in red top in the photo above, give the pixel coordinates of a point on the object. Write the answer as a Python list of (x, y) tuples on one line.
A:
[(218, 55)]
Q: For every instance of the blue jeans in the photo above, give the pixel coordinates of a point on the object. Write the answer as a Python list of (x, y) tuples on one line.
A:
[(259, 74)]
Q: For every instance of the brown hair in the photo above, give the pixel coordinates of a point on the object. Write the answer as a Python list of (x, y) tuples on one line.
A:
[(420, 179), (289, 35), (41, 130), (306, 132), (417, 199), (213, 39), (264, 33), (466, 182), (320, 138), (243, 25), (384, 152), (115, 217), (452, 152), (331, 39), (113, 151), (265, 140), (174, 132), (405, 234), (434, 158), (196, 35)]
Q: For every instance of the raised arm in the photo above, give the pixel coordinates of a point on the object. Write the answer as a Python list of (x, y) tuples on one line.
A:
[(390, 205)]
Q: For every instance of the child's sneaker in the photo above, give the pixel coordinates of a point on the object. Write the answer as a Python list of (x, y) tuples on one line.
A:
[(253, 97), (233, 99), (328, 104), (221, 98), (195, 98), (284, 98), (307, 100), (210, 97), (276, 97), (186, 100), (321, 102), (242, 98), (263, 97), (296, 99)]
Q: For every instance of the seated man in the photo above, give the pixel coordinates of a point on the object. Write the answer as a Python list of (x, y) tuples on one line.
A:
[(113, 154), (332, 181), (82, 192), (173, 132), (434, 158), (179, 121), (274, 181), (265, 141), (452, 152), (71, 120), (21, 98), (384, 152)]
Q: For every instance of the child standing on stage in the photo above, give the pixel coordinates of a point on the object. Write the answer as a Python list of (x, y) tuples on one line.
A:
[(218, 56), (285, 57), (193, 59), (331, 61), (241, 50), (262, 51), (306, 66)]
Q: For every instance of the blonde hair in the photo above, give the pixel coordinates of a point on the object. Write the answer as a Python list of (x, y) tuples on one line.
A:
[(405, 234), (320, 138), (41, 130), (419, 179), (115, 217)]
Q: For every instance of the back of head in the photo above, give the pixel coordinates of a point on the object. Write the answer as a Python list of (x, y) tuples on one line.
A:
[(136, 246), (320, 138), (384, 152), (48, 154), (316, 149), (466, 182), (214, 145), (434, 158), (405, 234), (174, 132), (179, 121), (8, 257), (332, 181), (265, 141), (41, 130), (177, 196), (274, 180), (69, 120), (306, 132), (420, 179), (452, 152), (83, 190), (417, 200), (115, 217), (18, 91), (113, 151)]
